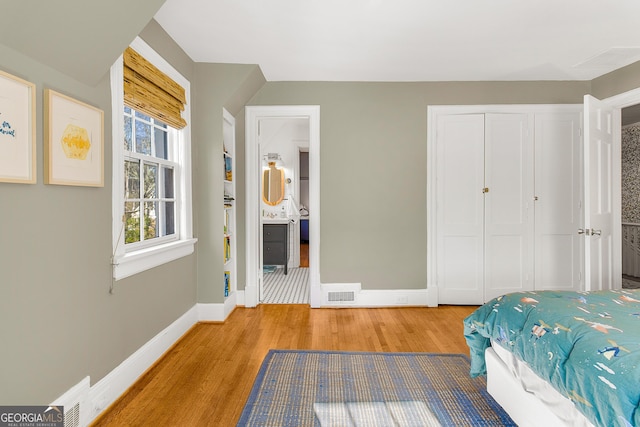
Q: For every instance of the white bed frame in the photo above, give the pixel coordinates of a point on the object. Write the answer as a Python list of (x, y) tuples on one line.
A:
[(529, 400)]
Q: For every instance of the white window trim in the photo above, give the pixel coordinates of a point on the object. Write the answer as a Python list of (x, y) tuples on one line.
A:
[(128, 263)]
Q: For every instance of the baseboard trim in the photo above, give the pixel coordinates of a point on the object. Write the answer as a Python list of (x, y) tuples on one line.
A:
[(241, 301), (216, 312), (367, 298), (392, 298), (432, 296), (106, 391)]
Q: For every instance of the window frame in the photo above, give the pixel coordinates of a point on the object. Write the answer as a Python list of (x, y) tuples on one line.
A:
[(171, 163), (130, 261)]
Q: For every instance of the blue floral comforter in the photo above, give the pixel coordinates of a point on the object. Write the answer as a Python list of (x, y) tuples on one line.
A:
[(586, 344)]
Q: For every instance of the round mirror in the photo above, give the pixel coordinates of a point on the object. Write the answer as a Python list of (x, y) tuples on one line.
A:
[(272, 185)]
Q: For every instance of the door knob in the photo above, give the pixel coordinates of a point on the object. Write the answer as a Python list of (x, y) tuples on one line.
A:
[(580, 230), (596, 232)]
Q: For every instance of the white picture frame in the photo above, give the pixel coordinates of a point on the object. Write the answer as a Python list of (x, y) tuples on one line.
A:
[(74, 142), (17, 130)]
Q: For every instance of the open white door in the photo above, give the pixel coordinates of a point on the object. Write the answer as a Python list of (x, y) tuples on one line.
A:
[(598, 194)]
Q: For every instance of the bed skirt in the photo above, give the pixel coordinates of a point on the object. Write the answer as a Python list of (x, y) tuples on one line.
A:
[(529, 400)]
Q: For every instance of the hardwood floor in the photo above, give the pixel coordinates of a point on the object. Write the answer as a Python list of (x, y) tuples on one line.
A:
[(205, 379), (304, 255)]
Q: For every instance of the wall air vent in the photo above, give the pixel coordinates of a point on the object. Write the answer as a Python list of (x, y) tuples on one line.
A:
[(348, 296), (337, 294), (72, 416), (74, 402)]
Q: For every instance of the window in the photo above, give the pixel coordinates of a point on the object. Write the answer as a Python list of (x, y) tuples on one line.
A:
[(152, 221), (149, 180)]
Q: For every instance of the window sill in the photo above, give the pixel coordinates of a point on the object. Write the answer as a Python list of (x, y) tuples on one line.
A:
[(145, 259)]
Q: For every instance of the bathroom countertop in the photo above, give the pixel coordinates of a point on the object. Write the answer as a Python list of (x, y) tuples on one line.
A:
[(275, 220)]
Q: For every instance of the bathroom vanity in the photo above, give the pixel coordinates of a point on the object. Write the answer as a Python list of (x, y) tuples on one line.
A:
[(275, 243)]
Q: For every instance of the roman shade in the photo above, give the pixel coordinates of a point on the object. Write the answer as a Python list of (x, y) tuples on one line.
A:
[(150, 91)]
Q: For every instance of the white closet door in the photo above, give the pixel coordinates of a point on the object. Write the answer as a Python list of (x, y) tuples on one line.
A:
[(508, 204), (558, 212), (460, 217)]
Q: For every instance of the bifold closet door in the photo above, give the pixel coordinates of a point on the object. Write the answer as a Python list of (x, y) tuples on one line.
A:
[(460, 209), (484, 210), (509, 199), (558, 186)]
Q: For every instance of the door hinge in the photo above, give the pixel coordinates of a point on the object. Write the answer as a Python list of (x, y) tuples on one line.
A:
[(485, 190)]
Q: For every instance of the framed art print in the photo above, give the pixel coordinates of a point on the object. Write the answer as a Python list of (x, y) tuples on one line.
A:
[(74, 147), (17, 130)]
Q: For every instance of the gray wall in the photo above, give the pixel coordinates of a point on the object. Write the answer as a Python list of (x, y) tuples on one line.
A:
[(58, 322), (373, 159), (79, 38), (229, 86), (617, 82)]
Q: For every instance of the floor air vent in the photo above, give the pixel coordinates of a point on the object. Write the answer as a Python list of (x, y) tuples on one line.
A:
[(342, 296)]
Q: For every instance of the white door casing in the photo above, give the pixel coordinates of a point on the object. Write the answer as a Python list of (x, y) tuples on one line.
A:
[(253, 179), (598, 194)]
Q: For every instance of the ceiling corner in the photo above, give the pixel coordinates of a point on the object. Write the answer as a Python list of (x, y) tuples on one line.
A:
[(78, 38)]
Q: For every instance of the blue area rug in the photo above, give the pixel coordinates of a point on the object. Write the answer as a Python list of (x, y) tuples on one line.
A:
[(330, 388)]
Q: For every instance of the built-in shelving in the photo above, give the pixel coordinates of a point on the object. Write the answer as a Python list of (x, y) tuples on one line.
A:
[(229, 217)]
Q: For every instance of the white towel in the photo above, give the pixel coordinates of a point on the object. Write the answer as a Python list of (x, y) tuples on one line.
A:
[(292, 210)]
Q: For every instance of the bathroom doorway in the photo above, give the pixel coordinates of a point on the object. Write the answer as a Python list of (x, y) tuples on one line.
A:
[(621, 104), (262, 123), (630, 173), (303, 162), (284, 199)]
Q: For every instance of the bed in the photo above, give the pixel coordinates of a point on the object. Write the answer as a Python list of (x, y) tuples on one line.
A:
[(560, 358)]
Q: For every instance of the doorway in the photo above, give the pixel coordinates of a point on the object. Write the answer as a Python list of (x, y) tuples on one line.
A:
[(630, 173), (617, 104), (256, 117), (281, 144)]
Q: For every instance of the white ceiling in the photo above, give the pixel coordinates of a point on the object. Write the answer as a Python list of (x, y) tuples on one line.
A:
[(410, 40)]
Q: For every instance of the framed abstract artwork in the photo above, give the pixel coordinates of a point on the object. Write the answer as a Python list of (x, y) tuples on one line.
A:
[(17, 130), (74, 146)]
